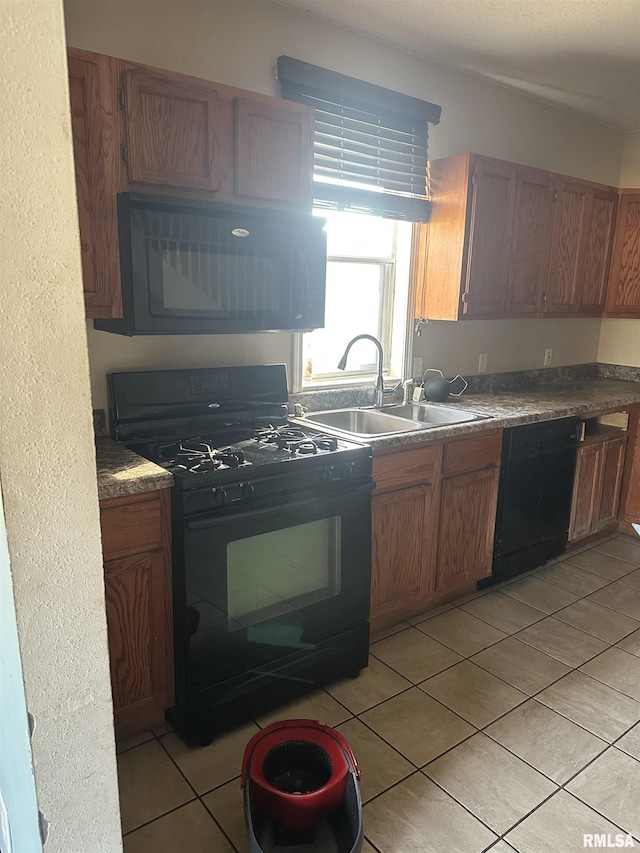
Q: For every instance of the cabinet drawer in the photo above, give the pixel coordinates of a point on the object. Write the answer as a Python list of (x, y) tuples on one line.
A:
[(404, 468), (472, 454), (130, 525)]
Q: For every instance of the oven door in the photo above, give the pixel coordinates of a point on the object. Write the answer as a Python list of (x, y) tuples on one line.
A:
[(272, 580)]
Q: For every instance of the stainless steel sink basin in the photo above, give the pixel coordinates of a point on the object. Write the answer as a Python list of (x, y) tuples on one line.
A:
[(432, 416), (362, 423)]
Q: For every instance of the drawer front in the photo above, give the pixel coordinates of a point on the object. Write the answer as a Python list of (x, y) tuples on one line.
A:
[(404, 468), (472, 454), (130, 525)]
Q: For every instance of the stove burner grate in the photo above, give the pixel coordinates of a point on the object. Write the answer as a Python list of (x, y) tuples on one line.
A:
[(200, 457), (295, 440)]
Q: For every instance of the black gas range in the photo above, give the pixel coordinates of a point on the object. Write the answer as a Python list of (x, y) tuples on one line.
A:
[(271, 529)]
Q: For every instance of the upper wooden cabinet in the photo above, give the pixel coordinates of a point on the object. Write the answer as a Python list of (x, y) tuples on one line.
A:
[(623, 299), (145, 129), (509, 241), (171, 130)]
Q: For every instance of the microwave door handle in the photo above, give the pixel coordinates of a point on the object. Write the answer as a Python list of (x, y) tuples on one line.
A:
[(300, 304)]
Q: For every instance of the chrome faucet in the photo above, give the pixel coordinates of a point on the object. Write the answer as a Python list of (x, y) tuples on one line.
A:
[(379, 384)]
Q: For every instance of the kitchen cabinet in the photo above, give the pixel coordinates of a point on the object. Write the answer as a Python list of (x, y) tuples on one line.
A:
[(509, 241), (142, 129), (582, 234), (433, 520), (630, 499), (623, 298), (137, 569), (598, 482), (96, 165)]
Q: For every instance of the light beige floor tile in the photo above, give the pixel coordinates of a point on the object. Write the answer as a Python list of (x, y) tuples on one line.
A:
[(505, 613), (521, 665), (633, 539), (417, 817), (600, 564), (473, 693), (367, 848), (414, 655), (632, 580), (388, 632), (429, 614), (620, 598), (461, 632), (558, 826), (470, 596), (374, 684), (417, 726), (562, 641), (169, 834), (208, 766), (226, 804), (131, 742), (604, 712), (316, 706), (540, 595), (163, 729), (491, 782), (611, 785), (631, 643), (630, 742), (502, 847), (150, 785), (595, 619), (618, 669), (550, 743), (380, 765), (572, 578), (621, 549)]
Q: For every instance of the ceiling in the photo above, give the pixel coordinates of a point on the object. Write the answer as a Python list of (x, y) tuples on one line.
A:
[(583, 55)]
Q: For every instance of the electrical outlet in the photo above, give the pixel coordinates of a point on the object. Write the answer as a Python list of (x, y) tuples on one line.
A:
[(417, 368), (547, 356), (482, 363)]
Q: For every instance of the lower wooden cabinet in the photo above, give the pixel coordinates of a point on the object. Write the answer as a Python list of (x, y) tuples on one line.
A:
[(137, 553), (467, 521), (401, 551), (433, 521), (597, 485)]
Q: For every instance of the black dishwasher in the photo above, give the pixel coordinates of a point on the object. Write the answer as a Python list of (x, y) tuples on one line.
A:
[(534, 496)]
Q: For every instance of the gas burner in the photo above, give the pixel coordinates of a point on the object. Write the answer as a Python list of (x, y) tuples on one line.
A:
[(295, 440), (200, 457)]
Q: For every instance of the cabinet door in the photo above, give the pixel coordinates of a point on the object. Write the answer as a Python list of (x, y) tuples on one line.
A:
[(485, 291), (529, 242), (612, 452), (93, 132), (139, 633), (274, 151), (566, 241), (623, 298), (401, 553), (586, 491), (596, 252), (467, 522), (171, 135)]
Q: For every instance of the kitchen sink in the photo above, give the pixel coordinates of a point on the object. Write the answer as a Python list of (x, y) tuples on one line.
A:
[(432, 416), (367, 423), (362, 423)]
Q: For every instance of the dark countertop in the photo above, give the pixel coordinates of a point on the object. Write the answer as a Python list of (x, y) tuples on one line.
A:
[(540, 402), (122, 472)]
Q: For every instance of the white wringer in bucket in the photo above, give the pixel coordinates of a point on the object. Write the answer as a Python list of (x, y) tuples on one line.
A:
[(301, 791)]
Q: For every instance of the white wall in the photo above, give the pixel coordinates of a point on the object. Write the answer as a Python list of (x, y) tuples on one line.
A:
[(238, 43), (620, 339), (47, 457)]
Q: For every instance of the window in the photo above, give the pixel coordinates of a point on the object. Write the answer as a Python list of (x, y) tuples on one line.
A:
[(367, 283)]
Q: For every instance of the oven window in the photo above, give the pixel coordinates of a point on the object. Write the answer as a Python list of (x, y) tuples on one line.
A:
[(283, 570)]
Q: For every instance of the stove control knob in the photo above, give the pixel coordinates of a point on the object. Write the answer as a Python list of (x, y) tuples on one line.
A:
[(247, 490), (220, 496), (326, 475)]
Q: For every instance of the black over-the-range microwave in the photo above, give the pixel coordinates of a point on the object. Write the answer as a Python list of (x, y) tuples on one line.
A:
[(190, 267)]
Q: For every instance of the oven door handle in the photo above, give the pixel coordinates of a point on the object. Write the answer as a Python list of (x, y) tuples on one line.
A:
[(219, 520)]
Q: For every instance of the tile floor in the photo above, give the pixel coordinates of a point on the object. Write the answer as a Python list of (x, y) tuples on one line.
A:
[(506, 721)]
